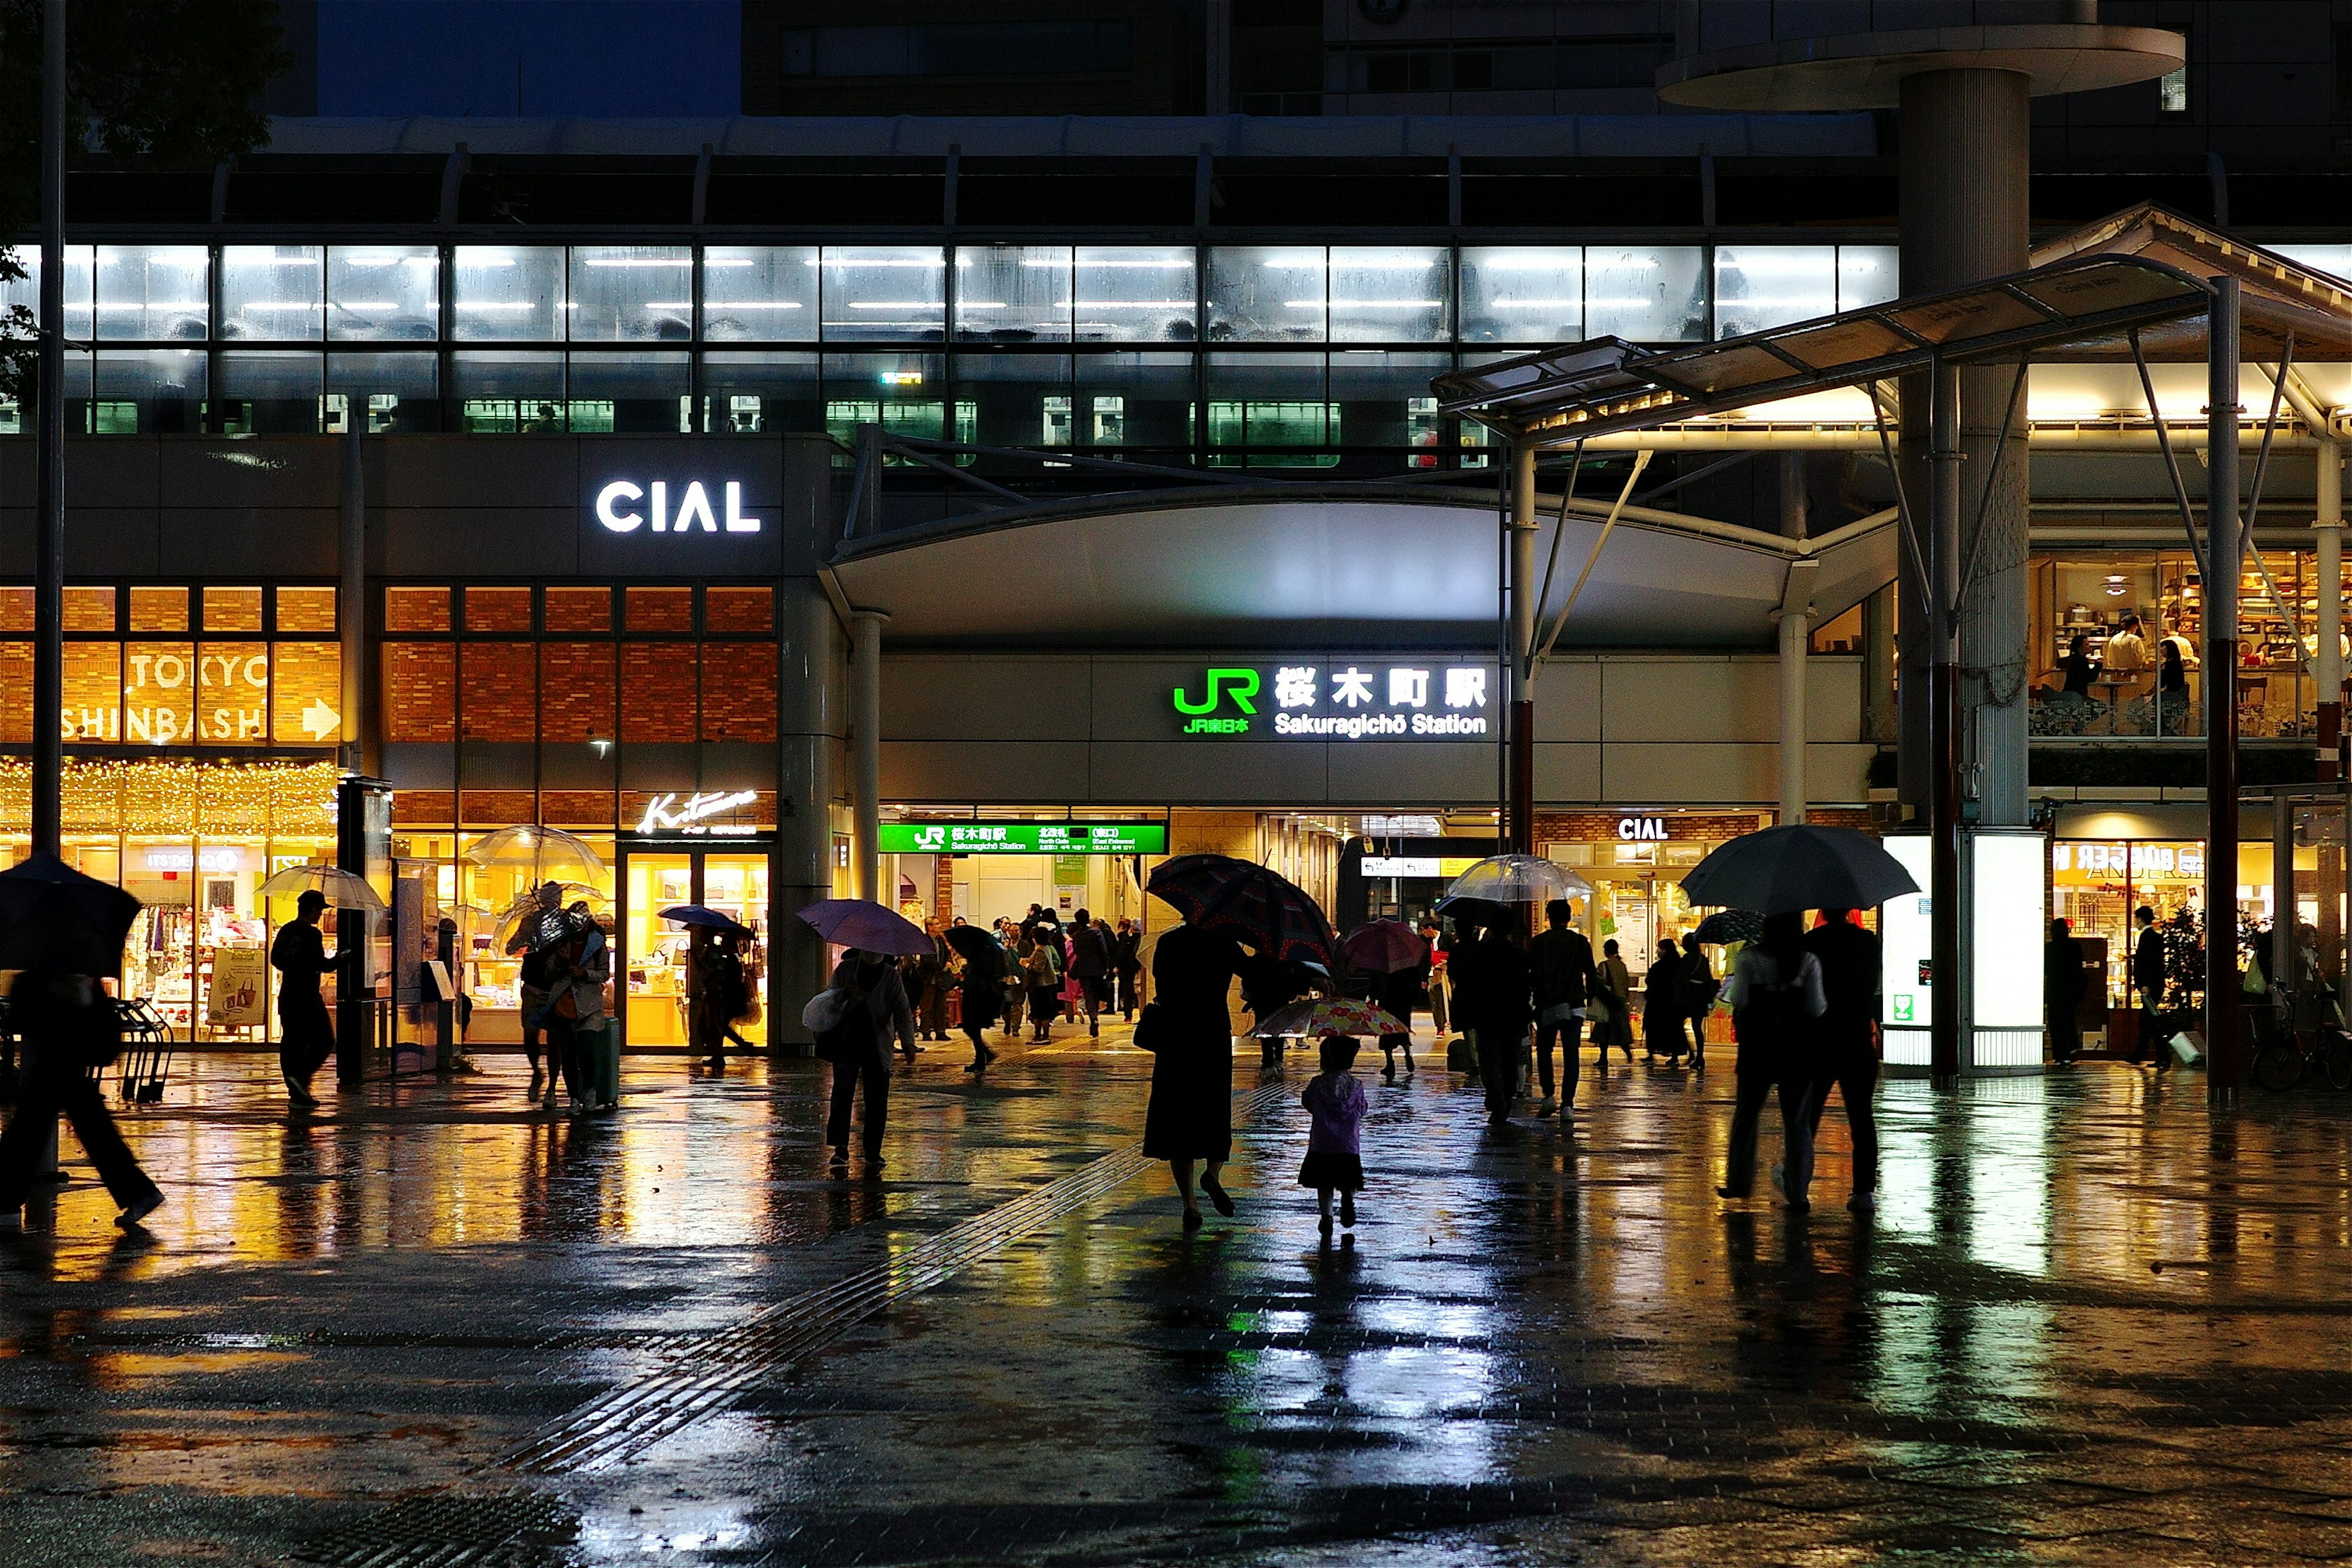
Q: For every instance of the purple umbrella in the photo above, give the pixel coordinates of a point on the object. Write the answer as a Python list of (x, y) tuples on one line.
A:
[(867, 926), (1384, 947)]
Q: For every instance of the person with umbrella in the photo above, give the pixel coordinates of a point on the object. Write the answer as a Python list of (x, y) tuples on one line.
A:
[(62, 929), (873, 1010), (535, 937), (1775, 992), (1493, 999), (1190, 1116), (1397, 959), (1662, 1003), (1849, 1055), (305, 1035), (983, 984)]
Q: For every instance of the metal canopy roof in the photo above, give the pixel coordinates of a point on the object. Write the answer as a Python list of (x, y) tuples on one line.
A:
[(2139, 275)]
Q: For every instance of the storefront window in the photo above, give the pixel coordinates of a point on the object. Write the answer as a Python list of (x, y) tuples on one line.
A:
[(578, 609), (299, 610), (420, 692), (759, 293), (738, 610), (2097, 884), (416, 609), (660, 609), (161, 609), (232, 609), (498, 609)]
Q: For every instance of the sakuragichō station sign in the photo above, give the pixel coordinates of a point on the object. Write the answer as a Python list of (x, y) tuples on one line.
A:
[(1339, 701), (1023, 838)]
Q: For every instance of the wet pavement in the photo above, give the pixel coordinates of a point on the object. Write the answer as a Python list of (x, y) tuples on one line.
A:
[(2089, 1324)]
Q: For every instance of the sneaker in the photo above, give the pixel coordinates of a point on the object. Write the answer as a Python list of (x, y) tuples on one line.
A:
[(1548, 1107), (139, 1210), (297, 1091)]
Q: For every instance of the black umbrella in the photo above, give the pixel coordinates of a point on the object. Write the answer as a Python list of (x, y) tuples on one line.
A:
[(53, 917), (1261, 910), (1729, 925), (973, 944), (1783, 871)]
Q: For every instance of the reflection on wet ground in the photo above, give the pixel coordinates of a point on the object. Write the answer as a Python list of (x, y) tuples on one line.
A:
[(2089, 1324)]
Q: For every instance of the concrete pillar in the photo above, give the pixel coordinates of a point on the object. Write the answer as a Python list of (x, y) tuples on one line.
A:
[(2327, 659), (2224, 1043), (362, 750), (810, 693), (1964, 180), (1878, 716), (1520, 829), (866, 732), (1796, 630)]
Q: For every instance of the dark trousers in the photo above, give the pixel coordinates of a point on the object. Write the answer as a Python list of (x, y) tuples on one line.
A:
[(2154, 1045), (1498, 1065), (1851, 1066), (2065, 1030), (531, 999), (563, 1054), (1796, 1133), (47, 1090), (306, 1036), (1127, 1003), (1571, 1037), (874, 1070)]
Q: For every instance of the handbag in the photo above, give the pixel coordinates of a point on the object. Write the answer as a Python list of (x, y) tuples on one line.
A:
[(826, 1011), (1597, 1010), (1151, 1027)]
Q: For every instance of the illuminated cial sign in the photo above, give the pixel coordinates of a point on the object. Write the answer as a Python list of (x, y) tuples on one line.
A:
[(667, 814), (1023, 838), (1306, 701), (625, 506), (1641, 829)]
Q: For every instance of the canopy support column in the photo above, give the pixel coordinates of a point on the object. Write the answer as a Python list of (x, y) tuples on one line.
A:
[(2327, 659), (1520, 832), (866, 729), (2226, 1064), (1944, 460)]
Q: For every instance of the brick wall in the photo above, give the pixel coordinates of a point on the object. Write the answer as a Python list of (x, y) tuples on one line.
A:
[(420, 691), (739, 692), (576, 691), (497, 691)]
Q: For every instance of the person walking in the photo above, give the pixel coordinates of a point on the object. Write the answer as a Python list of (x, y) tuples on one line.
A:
[(2064, 981), (68, 1027), (983, 984), (1774, 991), (1435, 987), (1848, 1058), (1090, 968), (1562, 978), (541, 928), (1400, 991), (1044, 967), (1017, 949), (1697, 999), (1190, 1032), (305, 1035), (2148, 979), (1334, 1130), (1616, 987), (1662, 1003), (1126, 964), (933, 978), (1494, 1000), (874, 1012), (1268, 986), (580, 967)]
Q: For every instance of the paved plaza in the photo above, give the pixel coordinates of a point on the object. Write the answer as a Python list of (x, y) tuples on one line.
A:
[(2089, 1324)]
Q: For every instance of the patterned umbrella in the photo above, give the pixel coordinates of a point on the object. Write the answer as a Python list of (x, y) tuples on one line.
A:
[(1261, 910), (1384, 947), (1729, 925), (1318, 1016)]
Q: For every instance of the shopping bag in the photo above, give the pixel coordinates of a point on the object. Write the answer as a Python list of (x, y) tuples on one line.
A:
[(2189, 1047)]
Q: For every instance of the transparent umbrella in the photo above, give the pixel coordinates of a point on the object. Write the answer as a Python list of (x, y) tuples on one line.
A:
[(344, 889), (1515, 880), (547, 851), (522, 908)]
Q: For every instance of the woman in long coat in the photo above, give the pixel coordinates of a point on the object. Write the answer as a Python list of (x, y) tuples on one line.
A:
[(1191, 1117)]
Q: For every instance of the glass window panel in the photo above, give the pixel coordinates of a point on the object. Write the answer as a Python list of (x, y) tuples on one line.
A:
[(306, 693), (1271, 401), (739, 692), (498, 699), (1266, 293), (661, 609), (903, 394), (1013, 293), (16, 610), (759, 293), (632, 293), (273, 292), (511, 292), (657, 682), (384, 293), (420, 691), (147, 391), (1522, 294), (577, 678), (881, 293), (579, 610), (298, 609), (1872, 274), (88, 610), (1654, 294), (498, 609), (416, 609), (630, 393), (160, 609), (1382, 399), (25, 292), (738, 610), (1018, 400), (270, 391), (1136, 294), (94, 691), (749, 393), (152, 291), (506, 391), (400, 392), (159, 694), (1760, 286), (232, 693), (16, 694), (1393, 294), (1134, 400), (232, 609)]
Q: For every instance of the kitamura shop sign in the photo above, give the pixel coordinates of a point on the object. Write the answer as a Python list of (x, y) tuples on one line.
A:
[(1344, 700)]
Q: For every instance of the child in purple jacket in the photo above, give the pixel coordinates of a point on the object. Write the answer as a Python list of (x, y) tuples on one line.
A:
[(1335, 1108)]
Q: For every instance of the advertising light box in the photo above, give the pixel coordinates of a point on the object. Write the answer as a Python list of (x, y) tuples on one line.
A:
[(2010, 917), (1023, 838), (1906, 942)]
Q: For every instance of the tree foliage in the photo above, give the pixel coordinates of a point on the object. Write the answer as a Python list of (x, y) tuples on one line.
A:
[(176, 80)]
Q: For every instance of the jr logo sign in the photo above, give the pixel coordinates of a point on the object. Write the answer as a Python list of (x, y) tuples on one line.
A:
[(1240, 685)]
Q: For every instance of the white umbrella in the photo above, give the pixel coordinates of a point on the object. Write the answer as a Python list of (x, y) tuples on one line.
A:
[(548, 851), (344, 889), (523, 906), (1516, 879)]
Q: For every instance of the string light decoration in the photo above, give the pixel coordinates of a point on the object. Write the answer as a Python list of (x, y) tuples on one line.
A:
[(180, 799)]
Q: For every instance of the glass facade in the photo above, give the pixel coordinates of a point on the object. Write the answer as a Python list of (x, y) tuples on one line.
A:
[(1014, 339)]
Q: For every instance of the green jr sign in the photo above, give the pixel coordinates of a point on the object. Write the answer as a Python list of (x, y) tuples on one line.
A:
[(1239, 687), (1025, 838)]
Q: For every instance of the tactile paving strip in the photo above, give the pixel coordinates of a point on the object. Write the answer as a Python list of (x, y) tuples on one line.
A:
[(706, 1373), (446, 1530)]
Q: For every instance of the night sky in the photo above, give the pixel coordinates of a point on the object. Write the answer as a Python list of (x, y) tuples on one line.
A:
[(577, 58)]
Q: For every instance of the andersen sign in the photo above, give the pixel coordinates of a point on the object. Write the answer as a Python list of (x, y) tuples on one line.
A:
[(1343, 701)]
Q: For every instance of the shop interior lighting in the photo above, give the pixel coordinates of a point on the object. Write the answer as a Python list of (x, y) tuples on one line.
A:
[(636, 261)]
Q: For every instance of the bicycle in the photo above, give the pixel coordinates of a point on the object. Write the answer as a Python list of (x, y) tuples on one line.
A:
[(2282, 1060)]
